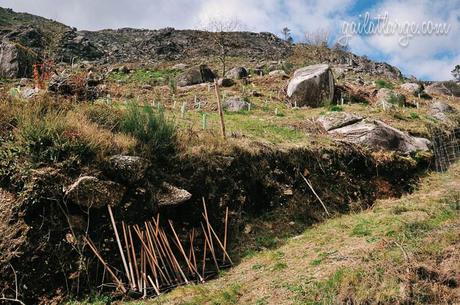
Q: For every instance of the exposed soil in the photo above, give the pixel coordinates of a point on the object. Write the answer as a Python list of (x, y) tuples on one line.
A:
[(43, 236)]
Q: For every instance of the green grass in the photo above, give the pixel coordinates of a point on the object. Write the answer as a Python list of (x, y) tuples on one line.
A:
[(381, 83), (362, 228), (145, 77)]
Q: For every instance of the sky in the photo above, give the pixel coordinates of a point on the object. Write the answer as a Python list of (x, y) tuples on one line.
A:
[(421, 51)]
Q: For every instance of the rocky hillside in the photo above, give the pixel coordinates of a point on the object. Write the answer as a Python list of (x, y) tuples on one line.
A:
[(141, 132), (47, 38)]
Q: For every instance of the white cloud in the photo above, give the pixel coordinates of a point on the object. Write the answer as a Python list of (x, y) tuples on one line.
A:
[(426, 56)]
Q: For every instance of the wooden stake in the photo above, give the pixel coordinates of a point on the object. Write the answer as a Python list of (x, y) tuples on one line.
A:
[(146, 249), (174, 257), (153, 285), (131, 272), (120, 248), (106, 266), (220, 244), (219, 109), (225, 234), (311, 187), (190, 266), (161, 254), (133, 253), (169, 255), (204, 255), (210, 248)]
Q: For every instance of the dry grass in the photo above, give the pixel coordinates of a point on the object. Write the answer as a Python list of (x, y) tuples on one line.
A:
[(99, 139)]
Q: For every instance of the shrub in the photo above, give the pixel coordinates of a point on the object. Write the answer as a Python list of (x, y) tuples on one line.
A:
[(397, 99), (335, 108), (155, 134), (380, 83)]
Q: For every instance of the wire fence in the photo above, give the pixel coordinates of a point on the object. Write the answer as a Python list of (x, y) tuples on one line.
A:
[(446, 147)]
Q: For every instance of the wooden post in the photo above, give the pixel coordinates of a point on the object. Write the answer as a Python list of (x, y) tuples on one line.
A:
[(219, 109)]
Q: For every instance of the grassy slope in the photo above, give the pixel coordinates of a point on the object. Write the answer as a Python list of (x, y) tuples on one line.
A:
[(402, 249)]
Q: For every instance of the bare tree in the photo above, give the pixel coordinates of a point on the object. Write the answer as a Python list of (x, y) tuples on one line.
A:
[(456, 72), (286, 34), (221, 40), (319, 37)]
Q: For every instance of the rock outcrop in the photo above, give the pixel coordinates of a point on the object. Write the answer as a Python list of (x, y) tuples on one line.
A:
[(311, 86), (16, 61), (334, 120), (377, 135), (440, 110), (450, 88)]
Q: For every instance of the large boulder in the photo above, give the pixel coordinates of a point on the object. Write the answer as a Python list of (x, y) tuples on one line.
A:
[(129, 169), (91, 192), (235, 104), (189, 77), (412, 87), (312, 86), (195, 76), (237, 73), (334, 120), (439, 110), (377, 135), (16, 60), (206, 74)]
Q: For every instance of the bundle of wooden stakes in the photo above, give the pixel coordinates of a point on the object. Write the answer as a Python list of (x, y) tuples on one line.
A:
[(156, 260)]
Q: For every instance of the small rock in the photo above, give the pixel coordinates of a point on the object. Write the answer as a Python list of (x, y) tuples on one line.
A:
[(226, 82), (247, 229), (439, 111), (180, 67), (237, 73), (279, 73), (171, 195), (235, 104), (23, 82), (28, 93), (129, 169), (387, 98), (89, 191)]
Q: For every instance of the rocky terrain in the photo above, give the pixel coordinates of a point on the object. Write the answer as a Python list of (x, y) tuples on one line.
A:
[(268, 139)]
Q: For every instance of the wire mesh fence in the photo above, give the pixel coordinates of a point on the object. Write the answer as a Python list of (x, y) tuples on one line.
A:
[(446, 147)]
